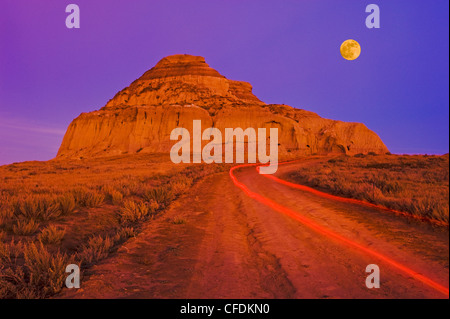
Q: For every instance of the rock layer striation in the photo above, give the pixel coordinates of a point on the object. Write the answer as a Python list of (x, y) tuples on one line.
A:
[(183, 88)]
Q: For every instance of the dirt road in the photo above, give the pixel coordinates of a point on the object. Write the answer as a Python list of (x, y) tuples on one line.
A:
[(229, 245)]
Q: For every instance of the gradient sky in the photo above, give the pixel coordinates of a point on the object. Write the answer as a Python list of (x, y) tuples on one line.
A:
[(288, 51)]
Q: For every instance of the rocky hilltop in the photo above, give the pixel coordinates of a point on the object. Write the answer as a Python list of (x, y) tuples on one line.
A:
[(183, 88)]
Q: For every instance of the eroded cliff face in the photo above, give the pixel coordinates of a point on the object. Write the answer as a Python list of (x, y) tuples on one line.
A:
[(183, 88)]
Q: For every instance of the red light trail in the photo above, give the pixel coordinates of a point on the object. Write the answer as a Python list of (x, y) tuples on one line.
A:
[(327, 232), (348, 200)]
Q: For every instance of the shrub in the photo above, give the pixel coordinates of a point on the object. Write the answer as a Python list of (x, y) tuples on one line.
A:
[(51, 235), (50, 210), (4, 253), (86, 198), (153, 207), (66, 204), (116, 197), (28, 208), (113, 195), (8, 255), (42, 274), (180, 185), (6, 214), (162, 195), (123, 234), (178, 221), (94, 199), (132, 211), (79, 194), (96, 249), (46, 271), (25, 227), (38, 207)]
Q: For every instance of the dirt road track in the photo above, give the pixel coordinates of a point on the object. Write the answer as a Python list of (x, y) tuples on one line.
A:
[(232, 246)]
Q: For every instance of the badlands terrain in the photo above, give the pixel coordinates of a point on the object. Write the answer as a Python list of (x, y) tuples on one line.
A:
[(141, 226)]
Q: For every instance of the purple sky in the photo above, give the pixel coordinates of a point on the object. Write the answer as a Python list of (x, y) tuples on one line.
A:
[(288, 51)]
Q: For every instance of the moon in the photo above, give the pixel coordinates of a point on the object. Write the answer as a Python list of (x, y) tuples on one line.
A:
[(350, 49)]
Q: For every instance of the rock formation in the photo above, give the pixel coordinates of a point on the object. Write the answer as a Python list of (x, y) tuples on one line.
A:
[(182, 88)]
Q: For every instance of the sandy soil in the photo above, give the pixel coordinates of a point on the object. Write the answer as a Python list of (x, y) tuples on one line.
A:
[(229, 245)]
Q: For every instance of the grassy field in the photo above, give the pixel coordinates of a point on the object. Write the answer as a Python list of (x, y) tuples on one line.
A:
[(418, 185), (60, 212), (56, 213)]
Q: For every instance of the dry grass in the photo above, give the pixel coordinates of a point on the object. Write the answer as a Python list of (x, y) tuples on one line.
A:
[(178, 221), (418, 185), (75, 204), (39, 207), (87, 198), (66, 204), (96, 249), (51, 235), (30, 271), (114, 196), (99, 247), (161, 195), (133, 211), (25, 227)]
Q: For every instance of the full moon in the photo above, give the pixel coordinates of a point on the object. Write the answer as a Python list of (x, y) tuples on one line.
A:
[(350, 49)]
